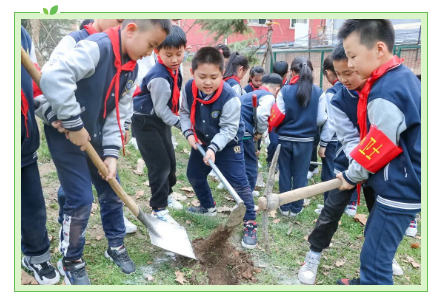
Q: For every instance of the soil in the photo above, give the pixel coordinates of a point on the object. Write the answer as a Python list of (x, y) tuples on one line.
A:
[(223, 264)]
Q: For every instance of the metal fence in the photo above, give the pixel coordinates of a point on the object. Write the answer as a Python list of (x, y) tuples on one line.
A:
[(411, 54)]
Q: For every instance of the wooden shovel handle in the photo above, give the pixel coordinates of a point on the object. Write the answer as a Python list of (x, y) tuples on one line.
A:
[(36, 76)]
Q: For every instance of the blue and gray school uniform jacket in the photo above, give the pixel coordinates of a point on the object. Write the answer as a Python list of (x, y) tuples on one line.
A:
[(265, 100), (394, 106), (218, 124), (156, 95), (76, 86), (328, 134), (343, 119), (236, 86), (248, 88), (30, 142), (300, 124)]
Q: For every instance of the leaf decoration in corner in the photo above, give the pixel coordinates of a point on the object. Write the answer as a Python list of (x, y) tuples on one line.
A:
[(54, 10)]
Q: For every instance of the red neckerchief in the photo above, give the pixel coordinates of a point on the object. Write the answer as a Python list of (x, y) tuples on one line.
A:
[(196, 99), (334, 82), (24, 111), (284, 81), (90, 29), (114, 36), (262, 87), (294, 80), (363, 100), (254, 88), (176, 90), (233, 77)]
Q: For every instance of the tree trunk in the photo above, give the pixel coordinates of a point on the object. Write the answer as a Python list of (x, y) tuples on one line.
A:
[(269, 53), (35, 32)]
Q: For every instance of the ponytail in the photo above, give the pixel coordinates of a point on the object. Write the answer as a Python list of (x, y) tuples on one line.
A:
[(234, 62), (304, 69)]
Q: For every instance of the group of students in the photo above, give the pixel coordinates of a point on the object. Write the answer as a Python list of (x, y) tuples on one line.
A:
[(214, 111)]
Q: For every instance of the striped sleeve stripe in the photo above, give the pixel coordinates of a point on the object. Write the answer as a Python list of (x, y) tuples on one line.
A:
[(75, 123), (110, 152), (397, 204)]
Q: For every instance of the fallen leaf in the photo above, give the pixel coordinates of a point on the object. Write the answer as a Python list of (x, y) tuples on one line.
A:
[(140, 167), (179, 196), (127, 152), (325, 257), (415, 264), (272, 213), (94, 207), (188, 222), (256, 270), (296, 222), (254, 280), (186, 151), (55, 250), (87, 242), (224, 209), (187, 189), (148, 277), (306, 203), (326, 267), (409, 259), (407, 278), (98, 238), (146, 183), (417, 237), (228, 198), (339, 223), (262, 266), (361, 218), (180, 277), (190, 195), (306, 238), (139, 194), (195, 202), (314, 221), (149, 262), (276, 221), (324, 273), (277, 266), (95, 226), (319, 282), (27, 279), (339, 263), (415, 245)]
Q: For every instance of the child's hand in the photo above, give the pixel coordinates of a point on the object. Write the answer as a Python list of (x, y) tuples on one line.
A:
[(257, 136), (345, 185), (209, 155), (192, 142), (257, 153), (79, 138), (59, 126), (111, 164), (126, 137), (321, 151)]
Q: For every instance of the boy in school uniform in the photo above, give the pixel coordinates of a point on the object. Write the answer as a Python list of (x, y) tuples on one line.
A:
[(388, 156), (90, 90), (44, 110), (266, 95), (155, 112), (211, 115), (34, 236)]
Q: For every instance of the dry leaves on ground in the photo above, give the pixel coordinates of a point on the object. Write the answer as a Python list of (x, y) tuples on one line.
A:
[(180, 277), (187, 189), (146, 183), (339, 263), (361, 218), (272, 213), (27, 279), (195, 202), (140, 167), (179, 196), (415, 245), (138, 194), (98, 238), (276, 221)]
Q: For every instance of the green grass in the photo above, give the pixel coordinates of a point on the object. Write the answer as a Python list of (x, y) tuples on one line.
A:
[(278, 267)]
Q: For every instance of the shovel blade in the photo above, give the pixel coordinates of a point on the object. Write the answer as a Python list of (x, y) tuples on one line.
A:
[(167, 236), (236, 217)]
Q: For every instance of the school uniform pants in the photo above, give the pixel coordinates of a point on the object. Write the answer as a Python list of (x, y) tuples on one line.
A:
[(154, 139), (327, 172), (384, 231), (34, 236), (294, 160), (273, 136), (76, 172), (230, 162), (328, 220), (314, 153), (251, 161)]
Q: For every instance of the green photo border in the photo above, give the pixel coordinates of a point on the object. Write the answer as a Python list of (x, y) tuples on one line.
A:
[(222, 15)]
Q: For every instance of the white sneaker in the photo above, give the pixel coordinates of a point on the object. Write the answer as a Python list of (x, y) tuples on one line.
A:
[(397, 270), (133, 141), (173, 203), (351, 209), (289, 212), (164, 216), (307, 273), (319, 206), (292, 214), (220, 186), (255, 193), (412, 229), (130, 228), (311, 174), (318, 211)]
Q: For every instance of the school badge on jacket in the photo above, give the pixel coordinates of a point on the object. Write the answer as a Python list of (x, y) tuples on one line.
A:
[(237, 149)]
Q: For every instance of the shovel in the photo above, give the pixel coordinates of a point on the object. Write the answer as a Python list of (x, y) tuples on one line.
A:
[(239, 211), (165, 235), (259, 180)]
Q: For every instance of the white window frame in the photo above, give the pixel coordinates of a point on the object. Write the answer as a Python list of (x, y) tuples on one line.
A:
[(292, 27), (254, 24)]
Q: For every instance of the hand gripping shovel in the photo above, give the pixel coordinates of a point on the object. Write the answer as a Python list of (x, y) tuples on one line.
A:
[(165, 235), (239, 211)]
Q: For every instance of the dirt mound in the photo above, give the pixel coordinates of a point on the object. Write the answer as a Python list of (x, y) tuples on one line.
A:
[(224, 265)]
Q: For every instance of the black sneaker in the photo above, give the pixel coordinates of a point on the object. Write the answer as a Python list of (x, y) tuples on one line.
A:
[(74, 272), (349, 282), (202, 210), (121, 258), (44, 273), (250, 238)]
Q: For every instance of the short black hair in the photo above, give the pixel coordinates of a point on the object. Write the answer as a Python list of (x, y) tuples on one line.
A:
[(175, 39), (328, 65), (272, 78), (144, 24), (338, 54), (85, 23), (281, 68), (208, 55), (256, 70), (370, 31), (224, 50)]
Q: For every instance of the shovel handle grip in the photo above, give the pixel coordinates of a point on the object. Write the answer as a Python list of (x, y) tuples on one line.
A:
[(36, 76), (221, 177)]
